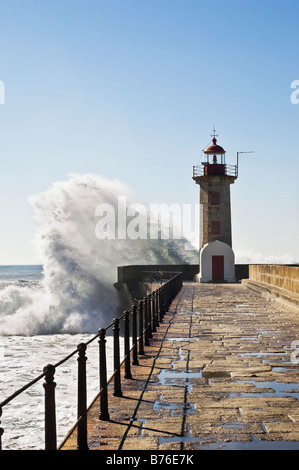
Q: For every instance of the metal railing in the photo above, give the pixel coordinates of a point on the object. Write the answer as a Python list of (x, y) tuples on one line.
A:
[(157, 276), (229, 170), (139, 322)]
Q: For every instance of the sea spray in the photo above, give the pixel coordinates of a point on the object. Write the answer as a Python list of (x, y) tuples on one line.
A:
[(76, 293)]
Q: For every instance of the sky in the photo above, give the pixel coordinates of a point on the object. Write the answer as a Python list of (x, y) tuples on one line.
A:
[(131, 89)]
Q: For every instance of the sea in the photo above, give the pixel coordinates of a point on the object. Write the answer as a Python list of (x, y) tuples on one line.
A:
[(23, 358), (46, 310)]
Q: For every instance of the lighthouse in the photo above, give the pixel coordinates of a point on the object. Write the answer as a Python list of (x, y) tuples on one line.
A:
[(214, 176)]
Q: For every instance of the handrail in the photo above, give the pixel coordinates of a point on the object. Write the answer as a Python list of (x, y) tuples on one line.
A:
[(143, 319), (228, 170)]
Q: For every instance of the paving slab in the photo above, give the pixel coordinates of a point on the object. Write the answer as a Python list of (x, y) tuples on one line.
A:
[(220, 373)]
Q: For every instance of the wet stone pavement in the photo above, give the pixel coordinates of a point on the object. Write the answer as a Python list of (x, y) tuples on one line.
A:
[(221, 372)]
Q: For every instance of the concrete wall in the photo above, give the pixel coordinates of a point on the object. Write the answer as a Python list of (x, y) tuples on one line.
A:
[(138, 272), (285, 277)]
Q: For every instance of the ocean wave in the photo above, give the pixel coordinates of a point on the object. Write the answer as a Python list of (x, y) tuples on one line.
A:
[(76, 293)]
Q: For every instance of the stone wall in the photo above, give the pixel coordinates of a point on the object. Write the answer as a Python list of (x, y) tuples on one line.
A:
[(283, 276), (221, 212), (139, 272)]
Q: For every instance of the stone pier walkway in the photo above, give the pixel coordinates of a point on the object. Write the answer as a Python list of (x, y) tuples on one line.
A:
[(221, 373)]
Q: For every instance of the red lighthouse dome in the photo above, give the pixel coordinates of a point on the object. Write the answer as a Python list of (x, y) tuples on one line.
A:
[(214, 149)]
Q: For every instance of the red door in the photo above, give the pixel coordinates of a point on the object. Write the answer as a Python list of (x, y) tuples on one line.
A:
[(218, 268)]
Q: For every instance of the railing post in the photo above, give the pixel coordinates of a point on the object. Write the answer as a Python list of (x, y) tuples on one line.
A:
[(50, 409), (116, 359), (128, 374), (149, 314), (162, 301), (146, 324), (1, 431), (152, 307), (167, 297), (135, 351), (155, 316), (141, 347), (104, 415), (82, 398), (160, 311)]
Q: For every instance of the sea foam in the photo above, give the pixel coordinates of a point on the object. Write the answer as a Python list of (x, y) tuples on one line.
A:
[(76, 293)]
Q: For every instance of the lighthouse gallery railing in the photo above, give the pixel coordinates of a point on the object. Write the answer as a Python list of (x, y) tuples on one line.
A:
[(227, 170)]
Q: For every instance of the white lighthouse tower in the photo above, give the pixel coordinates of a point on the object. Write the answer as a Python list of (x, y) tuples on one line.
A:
[(214, 176)]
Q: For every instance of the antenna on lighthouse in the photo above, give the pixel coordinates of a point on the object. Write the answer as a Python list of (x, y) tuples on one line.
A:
[(214, 133), (238, 153)]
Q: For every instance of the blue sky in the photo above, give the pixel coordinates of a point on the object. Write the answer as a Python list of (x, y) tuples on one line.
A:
[(131, 89)]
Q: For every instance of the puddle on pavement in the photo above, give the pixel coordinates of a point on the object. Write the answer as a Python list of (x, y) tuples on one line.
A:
[(254, 444), (184, 339), (279, 389), (174, 408), (262, 353), (171, 375), (282, 369), (251, 339), (268, 357)]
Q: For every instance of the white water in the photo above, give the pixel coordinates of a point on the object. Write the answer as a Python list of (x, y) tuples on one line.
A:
[(41, 321), (23, 359), (76, 293)]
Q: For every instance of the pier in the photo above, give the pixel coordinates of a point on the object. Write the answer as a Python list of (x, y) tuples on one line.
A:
[(221, 371)]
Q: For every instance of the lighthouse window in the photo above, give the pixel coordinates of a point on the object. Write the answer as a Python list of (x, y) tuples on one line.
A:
[(215, 198), (216, 227)]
